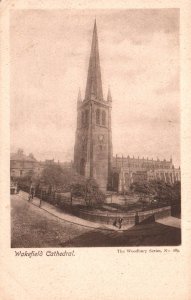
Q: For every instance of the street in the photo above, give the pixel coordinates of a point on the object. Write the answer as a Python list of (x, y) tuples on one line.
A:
[(32, 227)]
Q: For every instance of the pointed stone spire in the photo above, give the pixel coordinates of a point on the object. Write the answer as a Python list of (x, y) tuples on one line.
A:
[(79, 96), (94, 83), (109, 98)]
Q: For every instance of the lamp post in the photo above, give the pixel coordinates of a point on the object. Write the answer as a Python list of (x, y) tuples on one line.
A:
[(40, 198), (41, 192), (71, 196)]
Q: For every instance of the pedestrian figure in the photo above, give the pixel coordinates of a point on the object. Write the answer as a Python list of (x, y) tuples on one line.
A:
[(18, 189), (31, 193), (115, 222), (29, 199), (120, 222), (136, 218)]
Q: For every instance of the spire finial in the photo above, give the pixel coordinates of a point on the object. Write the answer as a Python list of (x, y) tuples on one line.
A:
[(94, 82), (95, 28)]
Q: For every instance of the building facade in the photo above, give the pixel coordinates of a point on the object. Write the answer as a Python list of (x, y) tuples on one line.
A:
[(22, 164), (93, 140), (127, 170)]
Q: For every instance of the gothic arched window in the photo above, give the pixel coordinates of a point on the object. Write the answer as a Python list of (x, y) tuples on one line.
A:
[(97, 116), (103, 118), (86, 117)]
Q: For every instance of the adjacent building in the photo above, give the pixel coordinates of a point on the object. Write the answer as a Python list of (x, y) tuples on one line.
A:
[(22, 164), (127, 170)]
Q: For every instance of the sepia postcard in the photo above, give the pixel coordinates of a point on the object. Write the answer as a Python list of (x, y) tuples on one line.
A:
[(95, 160)]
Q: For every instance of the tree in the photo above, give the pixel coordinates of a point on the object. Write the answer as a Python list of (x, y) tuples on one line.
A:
[(176, 199), (143, 201), (94, 196), (26, 181), (163, 192), (90, 191), (61, 178), (52, 175), (140, 187), (67, 180)]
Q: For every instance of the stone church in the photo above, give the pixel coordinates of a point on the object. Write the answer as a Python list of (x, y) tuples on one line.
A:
[(93, 155)]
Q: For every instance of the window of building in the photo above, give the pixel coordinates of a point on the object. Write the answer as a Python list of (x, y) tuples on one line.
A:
[(103, 118), (98, 116), (82, 118)]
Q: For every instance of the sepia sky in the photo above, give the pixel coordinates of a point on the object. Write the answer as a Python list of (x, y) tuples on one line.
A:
[(139, 54)]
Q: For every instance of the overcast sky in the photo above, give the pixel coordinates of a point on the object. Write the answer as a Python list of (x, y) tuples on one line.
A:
[(139, 54)]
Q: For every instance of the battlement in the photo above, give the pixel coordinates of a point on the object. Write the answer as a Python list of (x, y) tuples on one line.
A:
[(141, 163)]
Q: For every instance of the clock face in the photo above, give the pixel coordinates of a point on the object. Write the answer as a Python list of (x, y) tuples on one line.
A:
[(101, 137)]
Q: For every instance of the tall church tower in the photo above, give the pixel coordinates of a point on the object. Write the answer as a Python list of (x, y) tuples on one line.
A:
[(93, 141)]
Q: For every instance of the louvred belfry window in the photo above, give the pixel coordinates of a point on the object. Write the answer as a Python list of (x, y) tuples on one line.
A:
[(86, 117), (103, 118)]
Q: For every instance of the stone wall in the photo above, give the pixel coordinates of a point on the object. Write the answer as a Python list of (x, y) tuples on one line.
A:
[(128, 218)]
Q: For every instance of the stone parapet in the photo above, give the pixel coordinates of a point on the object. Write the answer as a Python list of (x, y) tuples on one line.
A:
[(128, 218)]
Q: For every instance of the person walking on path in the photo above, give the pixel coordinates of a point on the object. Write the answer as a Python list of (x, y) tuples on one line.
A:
[(120, 222), (31, 194), (30, 197)]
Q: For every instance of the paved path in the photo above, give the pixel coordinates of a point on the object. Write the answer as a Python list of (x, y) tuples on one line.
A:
[(69, 218), (170, 221)]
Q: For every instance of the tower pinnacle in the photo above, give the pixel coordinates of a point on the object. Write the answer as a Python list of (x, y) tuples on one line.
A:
[(94, 82), (109, 98)]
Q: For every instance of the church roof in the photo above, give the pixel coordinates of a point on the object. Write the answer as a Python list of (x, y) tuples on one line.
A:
[(94, 82), (22, 157)]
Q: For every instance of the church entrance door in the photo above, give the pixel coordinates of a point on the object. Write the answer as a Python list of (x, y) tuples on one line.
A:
[(115, 181)]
